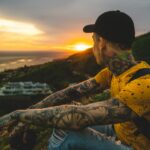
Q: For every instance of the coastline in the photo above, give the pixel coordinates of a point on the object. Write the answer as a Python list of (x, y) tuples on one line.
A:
[(14, 60)]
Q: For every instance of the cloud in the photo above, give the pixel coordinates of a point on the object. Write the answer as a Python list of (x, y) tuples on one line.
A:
[(63, 19), (61, 15), (18, 27)]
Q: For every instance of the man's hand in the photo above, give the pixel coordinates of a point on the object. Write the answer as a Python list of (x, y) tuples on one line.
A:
[(9, 119), (24, 140)]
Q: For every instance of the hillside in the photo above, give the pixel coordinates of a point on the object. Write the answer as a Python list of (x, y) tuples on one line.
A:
[(80, 66), (59, 73), (141, 47)]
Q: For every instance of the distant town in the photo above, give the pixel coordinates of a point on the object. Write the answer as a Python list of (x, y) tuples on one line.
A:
[(24, 88)]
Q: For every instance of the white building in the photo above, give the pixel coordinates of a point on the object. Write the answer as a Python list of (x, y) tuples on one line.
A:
[(25, 88)]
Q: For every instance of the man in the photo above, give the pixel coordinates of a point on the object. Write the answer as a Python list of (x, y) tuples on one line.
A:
[(113, 34)]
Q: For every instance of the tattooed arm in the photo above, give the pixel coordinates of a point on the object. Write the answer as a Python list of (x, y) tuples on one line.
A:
[(74, 117), (72, 93)]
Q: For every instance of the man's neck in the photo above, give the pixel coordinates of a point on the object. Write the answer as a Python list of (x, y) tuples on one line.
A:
[(121, 62)]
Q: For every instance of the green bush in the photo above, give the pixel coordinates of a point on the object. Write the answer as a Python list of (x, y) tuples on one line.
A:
[(141, 48)]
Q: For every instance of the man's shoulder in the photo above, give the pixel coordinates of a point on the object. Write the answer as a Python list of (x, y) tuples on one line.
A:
[(131, 71), (104, 77)]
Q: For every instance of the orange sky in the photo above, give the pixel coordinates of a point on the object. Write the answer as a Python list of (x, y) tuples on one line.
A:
[(57, 25), (16, 35)]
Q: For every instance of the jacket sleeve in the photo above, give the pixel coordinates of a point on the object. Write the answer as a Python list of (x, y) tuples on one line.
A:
[(104, 78)]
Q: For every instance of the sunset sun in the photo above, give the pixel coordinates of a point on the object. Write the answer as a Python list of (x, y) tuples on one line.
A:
[(81, 47)]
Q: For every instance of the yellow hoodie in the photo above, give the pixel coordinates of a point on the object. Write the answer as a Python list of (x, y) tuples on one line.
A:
[(136, 95)]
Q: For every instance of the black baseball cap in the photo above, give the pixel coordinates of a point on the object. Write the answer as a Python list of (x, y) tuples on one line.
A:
[(114, 26)]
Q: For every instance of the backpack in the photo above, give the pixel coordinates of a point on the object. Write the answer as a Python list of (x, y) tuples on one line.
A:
[(141, 123)]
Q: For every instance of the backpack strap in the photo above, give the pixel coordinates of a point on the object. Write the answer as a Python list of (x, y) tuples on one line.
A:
[(141, 123), (140, 73)]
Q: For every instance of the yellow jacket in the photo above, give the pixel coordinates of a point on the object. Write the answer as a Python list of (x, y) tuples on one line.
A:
[(136, 95)]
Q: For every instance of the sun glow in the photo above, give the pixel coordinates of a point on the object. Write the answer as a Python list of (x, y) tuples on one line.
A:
[(81, 47), (18, 27)]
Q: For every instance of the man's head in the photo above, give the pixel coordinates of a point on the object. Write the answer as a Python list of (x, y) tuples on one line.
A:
[(113, 32)]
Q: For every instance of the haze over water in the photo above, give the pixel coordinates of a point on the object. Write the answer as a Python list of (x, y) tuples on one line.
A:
[(13, 60)]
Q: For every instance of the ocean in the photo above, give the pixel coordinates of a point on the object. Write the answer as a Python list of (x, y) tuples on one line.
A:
[(13, 60)]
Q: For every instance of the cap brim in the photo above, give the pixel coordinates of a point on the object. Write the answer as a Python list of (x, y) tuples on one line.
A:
[(89, 28)]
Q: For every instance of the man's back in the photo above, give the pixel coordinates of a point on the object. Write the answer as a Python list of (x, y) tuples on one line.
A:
[(135, 95)]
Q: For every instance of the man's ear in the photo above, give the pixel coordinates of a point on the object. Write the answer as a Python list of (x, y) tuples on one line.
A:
[(102, 43)]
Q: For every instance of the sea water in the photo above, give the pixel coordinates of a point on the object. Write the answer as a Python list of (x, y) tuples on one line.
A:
[(13, 60)]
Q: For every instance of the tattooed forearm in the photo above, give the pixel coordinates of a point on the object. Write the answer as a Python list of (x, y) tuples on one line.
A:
[(70, 94), (67, 95), (78, 117)]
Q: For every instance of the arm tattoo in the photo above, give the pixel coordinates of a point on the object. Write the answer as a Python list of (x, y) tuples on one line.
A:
[(72, 93), (77, 117)]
